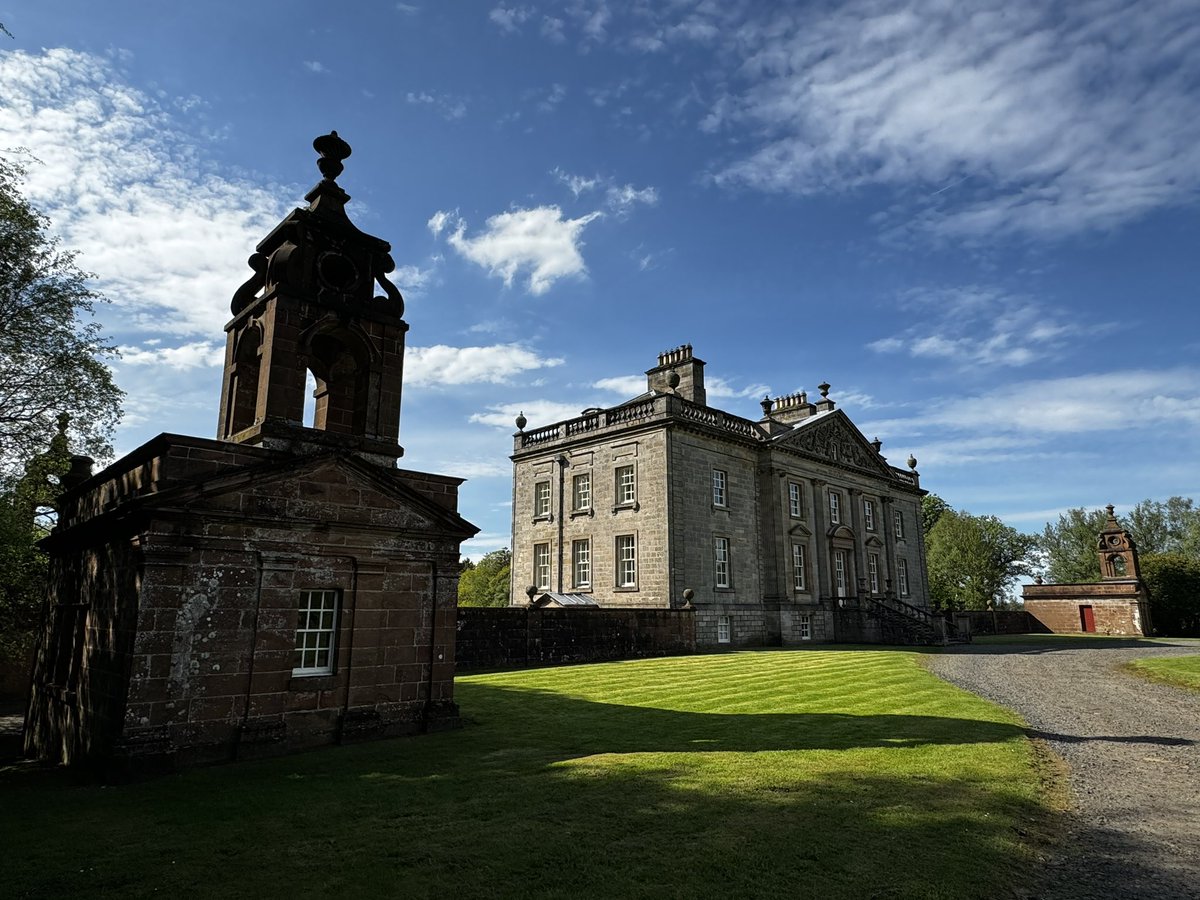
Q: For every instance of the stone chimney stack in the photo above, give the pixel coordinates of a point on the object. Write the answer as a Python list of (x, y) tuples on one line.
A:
[(792, 408), (678, 372)]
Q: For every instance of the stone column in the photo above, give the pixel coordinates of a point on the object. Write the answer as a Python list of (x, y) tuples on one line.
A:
[(820, 563)]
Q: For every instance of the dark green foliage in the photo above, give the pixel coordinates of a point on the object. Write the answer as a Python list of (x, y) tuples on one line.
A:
[(932, 507), (1173, 581), (486, 584), (1070, 546), (1170, 527), (52, 355), (973, 560), (22, 580)]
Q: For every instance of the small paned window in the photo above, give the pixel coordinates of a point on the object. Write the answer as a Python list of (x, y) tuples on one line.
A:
[(835, 508), (315, 632), (581, 492), (869, 514), (799, 573), (721, 561), (626, 485), (626, 560), (581, 562), (795, 500), (719, 495), (541, 499), (873, 571), (541, 566), (806, 628), (902, 575), (899, 520), (723, 630)]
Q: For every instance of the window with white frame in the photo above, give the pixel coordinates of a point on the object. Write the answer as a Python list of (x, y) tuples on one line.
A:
[(795, 500), (723, 631), (839, 572), (902, 575), (799, 573), (581, 492), (721, 561), (719, 495), (541, 499), (626, 485), (873, 571), (626, 560), (899, 519), (541, 566), (315, 630), (806, 628), (581, 562), (835, 507), (869, 514)]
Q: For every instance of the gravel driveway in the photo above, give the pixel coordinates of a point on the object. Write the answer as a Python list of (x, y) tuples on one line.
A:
[(1133, 748)]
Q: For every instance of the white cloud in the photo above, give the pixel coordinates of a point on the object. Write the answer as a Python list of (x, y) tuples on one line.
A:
[(552, 29), (578, 184), (974, 326), (408, 9), (510, 18), (122, 185), (195, 355), (549, 103), (721, 389), (315, 67), (496, 364), (439, 220), (537, 241), (539, 414), (448, 106), (621, 199), (1023, 117), (625, 385)]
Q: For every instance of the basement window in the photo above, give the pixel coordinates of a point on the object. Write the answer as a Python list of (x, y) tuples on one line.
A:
[(723, 634)]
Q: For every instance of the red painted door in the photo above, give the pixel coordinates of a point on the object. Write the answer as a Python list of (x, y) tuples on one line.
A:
[(1087, 618)]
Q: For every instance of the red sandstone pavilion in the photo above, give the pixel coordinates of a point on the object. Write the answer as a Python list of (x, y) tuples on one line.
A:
[(283, 586)]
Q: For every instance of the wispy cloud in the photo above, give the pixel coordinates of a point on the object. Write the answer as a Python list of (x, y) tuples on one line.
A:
[(622, 198), (198, 354), (496, 364), (1045, 119), (315, 67), (538, 414), (448, 106), (625, 385), (509, 19), (983, 326), (538, 242)]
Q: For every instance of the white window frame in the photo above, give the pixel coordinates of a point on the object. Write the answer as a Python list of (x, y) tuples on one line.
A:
[(835, 508), (541, 566), (581, 562), (541, 499), (795, 500), (724, 630), (581, 492), (316, 636), (626, 560), (805, 627), (840, 575), (902, 576), (869, 514), (898, 520), (626, 489), (873, 571), (720, 488), (799, 568), (722, 576)]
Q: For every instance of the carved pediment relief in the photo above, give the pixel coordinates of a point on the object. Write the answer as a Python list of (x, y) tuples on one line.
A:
[(799, 530), (836, 440), (841, 532)]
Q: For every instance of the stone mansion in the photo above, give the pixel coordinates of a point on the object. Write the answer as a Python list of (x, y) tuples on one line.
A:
[(787, 529)]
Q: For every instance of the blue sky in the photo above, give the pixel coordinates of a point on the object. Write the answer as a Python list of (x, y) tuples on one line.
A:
[(977, 221)]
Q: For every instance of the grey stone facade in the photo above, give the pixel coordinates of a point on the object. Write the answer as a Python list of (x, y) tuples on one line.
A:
[(737, 511)]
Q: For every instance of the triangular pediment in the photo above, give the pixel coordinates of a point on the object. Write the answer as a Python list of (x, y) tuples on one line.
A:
[(833, 438), (327, 488)]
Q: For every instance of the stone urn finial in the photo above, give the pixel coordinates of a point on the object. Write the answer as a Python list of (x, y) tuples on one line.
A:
[(912, 462), (521, 421), (332, 150), (823, 387), (766, 403)]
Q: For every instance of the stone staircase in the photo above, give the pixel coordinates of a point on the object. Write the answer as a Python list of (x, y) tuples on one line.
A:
[(903, 623)]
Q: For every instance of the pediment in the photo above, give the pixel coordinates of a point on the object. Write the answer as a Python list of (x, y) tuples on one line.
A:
[(843, 532), (333, 489), (833, 438), (800, 529)]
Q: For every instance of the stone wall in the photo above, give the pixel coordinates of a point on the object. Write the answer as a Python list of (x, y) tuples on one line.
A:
[(515, 637), (1005, 621), (1118, 607)]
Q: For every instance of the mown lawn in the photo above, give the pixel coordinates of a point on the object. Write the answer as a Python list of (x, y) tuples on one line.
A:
[(842, 773), (1181, 671)]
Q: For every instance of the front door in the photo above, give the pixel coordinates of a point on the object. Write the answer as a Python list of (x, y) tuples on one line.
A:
[(1087, 618)]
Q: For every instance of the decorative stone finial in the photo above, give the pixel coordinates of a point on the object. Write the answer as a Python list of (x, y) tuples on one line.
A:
[(332, 150), (521, 421), (766, 403), (531, 592), (823, 387), (912, 462), (877, 444), (1111, 511), (673, 380), (688, 594), (1038, 580)]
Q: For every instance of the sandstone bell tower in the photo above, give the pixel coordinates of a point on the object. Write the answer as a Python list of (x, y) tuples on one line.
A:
[(311, 307)]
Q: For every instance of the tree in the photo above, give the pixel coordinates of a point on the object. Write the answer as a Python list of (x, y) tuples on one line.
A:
[(973, 560), (1070, 546), (1173, 581), (486, 583), (1170, 527), (52, 354), (932, 507)]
